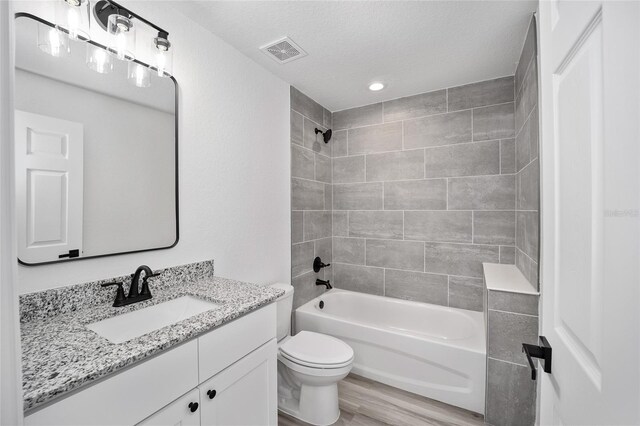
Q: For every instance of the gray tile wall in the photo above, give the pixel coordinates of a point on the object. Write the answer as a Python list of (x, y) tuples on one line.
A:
[(526, 156), (311, 196), (512, 319), (424, 191)]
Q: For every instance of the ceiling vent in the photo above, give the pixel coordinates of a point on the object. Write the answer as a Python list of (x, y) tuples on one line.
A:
[(283, 50)]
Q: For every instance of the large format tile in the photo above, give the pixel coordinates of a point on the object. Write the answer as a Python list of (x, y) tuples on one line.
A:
[(379, 138), (527, 97), (469, 159), (357, 117), (349, 250), (429, 194), (317, 225), (438, 130), (507, 156), (444, 226), (489, 92), (327, 118), (338, 142), (375, 224), (513, 302), (302, 162), (399, 165), (306, 106), (306, 195), (340, 223), (506, 334), (301, 258), (395, 254), (416, 286), (296, 128), (328, 196), (511, 395), (357, 196), (459, 259), (314, 141), (527, 141), (416, 106), (348, 169), (493, 122), (305, 288), (527, 233), (323, 168), (494, 227), (296, 227), (529, 51), (323, 248), (363, 279), (507, 255), (482, 193), (466, 293), (529, 187)]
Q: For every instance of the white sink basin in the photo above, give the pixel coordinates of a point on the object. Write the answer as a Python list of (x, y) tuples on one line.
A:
[(127, 326)]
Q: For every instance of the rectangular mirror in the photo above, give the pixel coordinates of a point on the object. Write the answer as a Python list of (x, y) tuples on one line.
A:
[(96, 155)]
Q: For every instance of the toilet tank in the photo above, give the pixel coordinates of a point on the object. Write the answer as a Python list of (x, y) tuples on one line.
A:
[(284, 307)]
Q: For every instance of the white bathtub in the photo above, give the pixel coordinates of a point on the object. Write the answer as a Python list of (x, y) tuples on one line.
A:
[(430, 350)]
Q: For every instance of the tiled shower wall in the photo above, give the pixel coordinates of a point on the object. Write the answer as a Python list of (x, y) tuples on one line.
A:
[(311, 221), (527, 165), (424, 191)]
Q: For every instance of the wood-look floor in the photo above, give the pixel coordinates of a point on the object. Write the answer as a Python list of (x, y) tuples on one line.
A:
[(364, 402)]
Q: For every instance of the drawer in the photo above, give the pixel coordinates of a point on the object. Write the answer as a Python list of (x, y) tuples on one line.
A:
[(225, 345), (129, 396)]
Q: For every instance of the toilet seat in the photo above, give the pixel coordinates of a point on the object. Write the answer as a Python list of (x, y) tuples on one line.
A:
[(315, 350)]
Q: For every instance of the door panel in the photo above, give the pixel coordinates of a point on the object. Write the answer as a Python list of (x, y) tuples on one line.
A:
[(590, 92), (49, 186), (178, 413), (245, 393)]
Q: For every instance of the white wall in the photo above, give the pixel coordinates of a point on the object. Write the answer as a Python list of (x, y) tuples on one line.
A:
[(234, 165)]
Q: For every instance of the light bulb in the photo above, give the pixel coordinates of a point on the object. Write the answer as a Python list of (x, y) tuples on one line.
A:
[(139, 75), (164, 56), (123, 37), (98, 60), (73, 15), (53, 41)]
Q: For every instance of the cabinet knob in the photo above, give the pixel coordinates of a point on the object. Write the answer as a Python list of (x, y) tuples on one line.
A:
[(193, 406), (211, 393)]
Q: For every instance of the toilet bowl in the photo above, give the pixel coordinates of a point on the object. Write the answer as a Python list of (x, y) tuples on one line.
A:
[(310, 365)]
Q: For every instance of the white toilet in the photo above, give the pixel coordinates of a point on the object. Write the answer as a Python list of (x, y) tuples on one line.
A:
[(310, 365)]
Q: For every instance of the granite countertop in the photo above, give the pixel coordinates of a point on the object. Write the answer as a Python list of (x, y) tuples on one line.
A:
[(59, 354)]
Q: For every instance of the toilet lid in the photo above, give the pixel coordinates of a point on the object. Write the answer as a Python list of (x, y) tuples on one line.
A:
[(315, 348)]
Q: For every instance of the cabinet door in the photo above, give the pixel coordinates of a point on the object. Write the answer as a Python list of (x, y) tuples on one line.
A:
[(184, 411), (245, 393)]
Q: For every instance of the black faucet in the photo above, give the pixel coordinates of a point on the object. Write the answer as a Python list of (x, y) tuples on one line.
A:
[(134, 295), (325, 283)]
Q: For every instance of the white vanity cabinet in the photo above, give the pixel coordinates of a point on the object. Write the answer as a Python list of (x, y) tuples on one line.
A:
[(237, 361)]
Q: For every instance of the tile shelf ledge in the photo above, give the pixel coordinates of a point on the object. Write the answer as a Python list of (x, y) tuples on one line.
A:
[(508, 278)]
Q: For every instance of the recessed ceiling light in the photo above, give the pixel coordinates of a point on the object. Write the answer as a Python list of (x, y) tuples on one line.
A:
[(374, 87)]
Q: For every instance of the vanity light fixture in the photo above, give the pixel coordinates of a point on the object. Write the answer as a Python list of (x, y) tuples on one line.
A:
[(53, 41), (73, 16), (123, 37), (98, 59), (376, 86), (164, 55), (139, 75)]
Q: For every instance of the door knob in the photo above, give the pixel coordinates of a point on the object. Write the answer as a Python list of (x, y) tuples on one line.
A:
[(211, 393), (193, 406)]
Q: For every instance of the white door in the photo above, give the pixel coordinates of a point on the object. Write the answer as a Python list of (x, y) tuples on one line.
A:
[(244, 394), (49, 185), (184, 411), (589, 53)]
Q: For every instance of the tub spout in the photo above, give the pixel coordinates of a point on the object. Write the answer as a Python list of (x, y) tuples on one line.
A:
[(325, 283)]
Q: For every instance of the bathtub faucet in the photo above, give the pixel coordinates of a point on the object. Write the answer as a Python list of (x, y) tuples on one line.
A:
[(324, 283)]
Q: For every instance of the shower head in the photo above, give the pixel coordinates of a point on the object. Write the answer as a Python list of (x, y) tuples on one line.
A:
[(326, 135)]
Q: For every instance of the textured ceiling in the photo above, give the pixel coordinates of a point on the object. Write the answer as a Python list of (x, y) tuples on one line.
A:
[(413, 46)]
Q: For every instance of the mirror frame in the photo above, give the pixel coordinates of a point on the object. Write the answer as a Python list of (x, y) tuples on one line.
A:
[(177, 198)]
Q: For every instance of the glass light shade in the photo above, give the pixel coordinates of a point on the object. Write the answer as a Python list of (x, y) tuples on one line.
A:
[(163, 65), (53, 41), (123, 37), (99, 59), (73, 15), (139, 75)]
